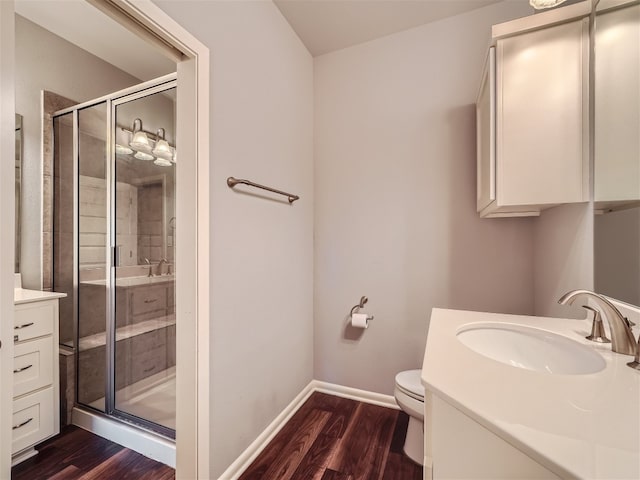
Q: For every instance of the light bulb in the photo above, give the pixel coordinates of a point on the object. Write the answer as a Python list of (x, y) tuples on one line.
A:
[(163, 150), (143, 156), (541, 4), (122, 150), (162, 162)]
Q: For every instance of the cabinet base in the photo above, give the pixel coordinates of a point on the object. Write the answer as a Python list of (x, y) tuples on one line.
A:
[(23, 455)]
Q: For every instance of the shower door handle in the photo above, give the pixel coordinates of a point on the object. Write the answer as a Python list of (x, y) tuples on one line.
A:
[(117, 251)]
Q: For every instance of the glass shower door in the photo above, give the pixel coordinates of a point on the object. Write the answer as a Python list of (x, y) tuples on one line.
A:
[(91, 244), (144, 271)]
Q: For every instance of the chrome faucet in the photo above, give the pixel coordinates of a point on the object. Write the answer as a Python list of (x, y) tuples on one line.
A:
[(163, 261), (150, 267), (622, 340)]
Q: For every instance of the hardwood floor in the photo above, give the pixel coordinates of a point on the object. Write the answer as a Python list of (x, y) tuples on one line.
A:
[(76, 454), (333, 438), (328, 438)]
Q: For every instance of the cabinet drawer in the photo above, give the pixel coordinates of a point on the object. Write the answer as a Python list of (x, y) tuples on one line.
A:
[(32, 365), (150, 354), (148, 299), (33, 320), (32, 419)]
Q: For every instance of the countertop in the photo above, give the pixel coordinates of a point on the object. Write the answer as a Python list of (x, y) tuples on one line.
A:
[(22, 295), (580, 426), (133, 281)]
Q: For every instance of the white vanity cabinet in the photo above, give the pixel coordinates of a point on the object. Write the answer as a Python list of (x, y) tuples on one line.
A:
[(36, 400), (532, 119), (485, 454)]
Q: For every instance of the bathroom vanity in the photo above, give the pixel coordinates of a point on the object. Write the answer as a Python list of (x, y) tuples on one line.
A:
[(145, 330), (568, 410), (36, 400)]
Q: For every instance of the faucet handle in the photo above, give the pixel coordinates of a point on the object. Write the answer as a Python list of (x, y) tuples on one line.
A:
[(597, 328), (636, 362)]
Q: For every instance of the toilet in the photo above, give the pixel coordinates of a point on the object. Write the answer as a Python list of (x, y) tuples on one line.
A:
[(409, 394)]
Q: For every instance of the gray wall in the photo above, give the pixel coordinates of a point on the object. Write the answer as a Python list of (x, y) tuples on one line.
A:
[(262, 251), (47, 62), (395, 206), (563, 258), (617, 254)]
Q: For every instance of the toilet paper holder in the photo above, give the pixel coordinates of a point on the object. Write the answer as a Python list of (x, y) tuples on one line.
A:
[(357, 307)]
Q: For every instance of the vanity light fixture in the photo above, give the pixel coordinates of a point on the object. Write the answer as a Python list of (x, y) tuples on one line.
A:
[(140, 141), (162, 150), (542, 4), (159, 151)]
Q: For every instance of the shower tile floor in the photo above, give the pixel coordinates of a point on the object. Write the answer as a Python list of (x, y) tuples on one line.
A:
[(152, 399)]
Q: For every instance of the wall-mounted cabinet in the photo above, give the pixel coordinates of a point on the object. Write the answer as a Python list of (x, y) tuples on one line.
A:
[(617, 107), (533, 121)]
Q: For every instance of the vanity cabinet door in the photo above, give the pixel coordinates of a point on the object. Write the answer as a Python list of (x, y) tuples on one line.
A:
[(541, 122)]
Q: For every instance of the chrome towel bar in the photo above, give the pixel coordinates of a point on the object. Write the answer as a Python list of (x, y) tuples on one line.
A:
[(232, 182)]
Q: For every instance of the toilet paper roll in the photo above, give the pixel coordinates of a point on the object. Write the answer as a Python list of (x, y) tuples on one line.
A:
[(359, 320)]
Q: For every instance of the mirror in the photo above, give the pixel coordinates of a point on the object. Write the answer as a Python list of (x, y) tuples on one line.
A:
[(617, 150), (18, 189)]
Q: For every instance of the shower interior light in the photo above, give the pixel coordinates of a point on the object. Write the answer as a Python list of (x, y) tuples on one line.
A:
[(143, 156), (541, 4), (140, 141), (123, 150), (162, 162), (162, 149)]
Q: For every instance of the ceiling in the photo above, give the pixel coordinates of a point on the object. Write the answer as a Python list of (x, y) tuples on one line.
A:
[(322, 25), (328, 25), (97, 34)]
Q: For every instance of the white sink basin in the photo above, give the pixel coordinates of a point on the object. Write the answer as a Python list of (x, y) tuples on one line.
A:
[(530, 348)]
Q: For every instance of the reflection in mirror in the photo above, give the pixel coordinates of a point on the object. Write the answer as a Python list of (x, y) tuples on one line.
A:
[(617, 150), (18, 189)]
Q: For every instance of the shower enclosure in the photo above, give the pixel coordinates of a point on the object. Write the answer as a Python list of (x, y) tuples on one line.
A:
[(114, 251)]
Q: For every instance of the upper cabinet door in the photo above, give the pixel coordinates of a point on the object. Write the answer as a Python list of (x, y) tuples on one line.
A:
[(542, 145), (617, 108), (485, 134)]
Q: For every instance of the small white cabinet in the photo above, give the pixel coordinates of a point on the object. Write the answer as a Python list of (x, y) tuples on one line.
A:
[(36, 400), (462, 448), (532, 116)]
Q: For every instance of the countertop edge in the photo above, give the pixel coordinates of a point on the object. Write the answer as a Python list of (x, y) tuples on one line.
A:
[(23, 295)]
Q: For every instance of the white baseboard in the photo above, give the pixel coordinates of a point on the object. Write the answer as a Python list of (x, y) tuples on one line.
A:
[(23, 455), (355, 394), (247, 457)]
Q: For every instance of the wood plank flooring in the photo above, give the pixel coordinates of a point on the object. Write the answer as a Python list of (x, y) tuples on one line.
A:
[(76, 454), (333, 438), (328, 438)]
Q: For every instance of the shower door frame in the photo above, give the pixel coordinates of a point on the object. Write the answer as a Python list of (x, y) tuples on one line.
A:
[(111, 101), (150, 88)]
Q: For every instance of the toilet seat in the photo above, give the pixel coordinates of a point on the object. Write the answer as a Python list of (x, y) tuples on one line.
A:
[(410, 384)]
